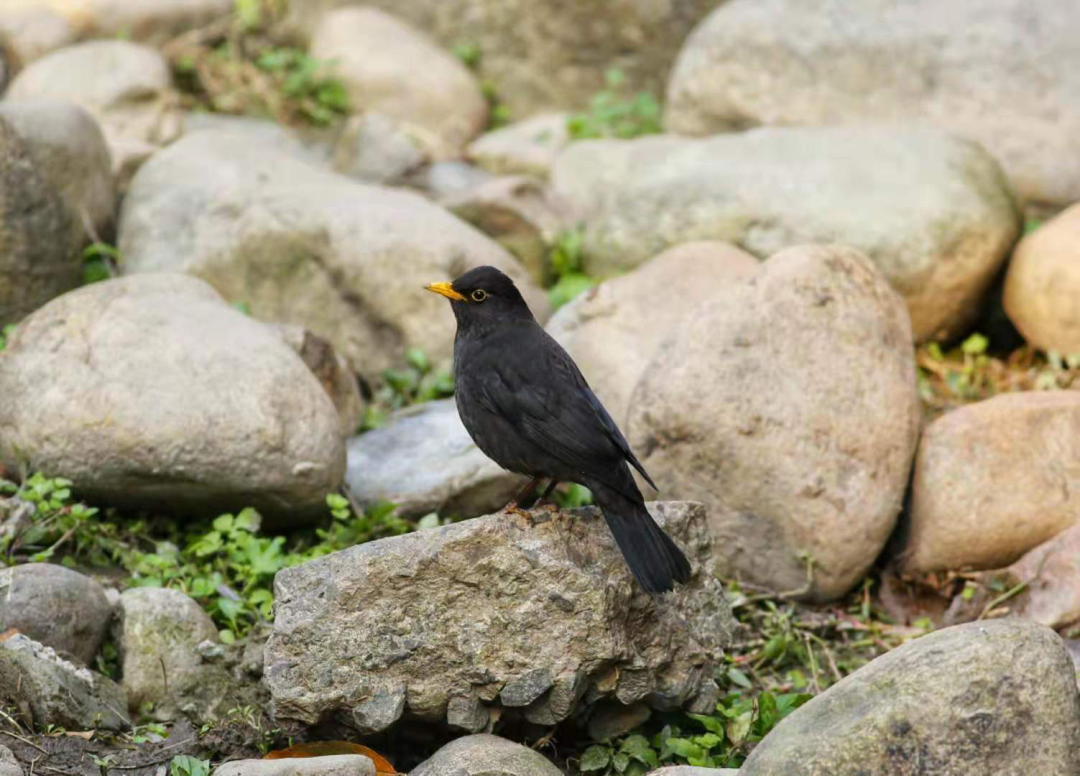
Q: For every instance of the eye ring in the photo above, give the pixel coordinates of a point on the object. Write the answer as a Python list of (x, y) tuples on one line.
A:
[(479, 295)]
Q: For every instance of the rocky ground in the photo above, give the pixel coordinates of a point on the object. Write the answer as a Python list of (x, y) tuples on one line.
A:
[(817, 259)]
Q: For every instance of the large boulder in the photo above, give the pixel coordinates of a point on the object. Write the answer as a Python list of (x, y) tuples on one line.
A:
[(69, 149), (966, 67), (933, 212), (761, 406), (547, 54), (1042, 287), (388, 67), (996, 697), (49, 690), (125, 86), (993, 480), (38, 232), (423, 460), (157, 632), (55, 606), (150, 391), (302, 245), (485, 755), (325, 765), (493, 613), (614, 330)]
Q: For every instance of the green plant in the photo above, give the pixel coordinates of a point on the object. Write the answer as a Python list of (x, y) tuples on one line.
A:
[(5, 333), (418, 381), (184, 765), (612, 115), (99, 262), (306, 81), (566, 257)]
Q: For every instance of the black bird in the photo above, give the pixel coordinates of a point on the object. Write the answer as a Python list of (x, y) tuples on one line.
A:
[(525, 403)]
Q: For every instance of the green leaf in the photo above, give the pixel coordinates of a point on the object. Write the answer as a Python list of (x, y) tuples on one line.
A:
[(739, 727), (619, 761), (712, 724), (975, 345), (738, 678), (637, 746), (184, 765), (417, 359), (595, 758)]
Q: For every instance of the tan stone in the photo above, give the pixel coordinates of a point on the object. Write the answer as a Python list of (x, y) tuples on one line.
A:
[(614, 330), (1042, 287), (1051, 572), (527, 147), (388, 67), (993, 480), (787, 404)]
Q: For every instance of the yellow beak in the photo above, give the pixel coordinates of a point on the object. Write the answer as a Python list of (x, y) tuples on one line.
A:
[(445, 289)]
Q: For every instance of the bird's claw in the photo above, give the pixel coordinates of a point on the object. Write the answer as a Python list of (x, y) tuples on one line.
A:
[(514, 509)]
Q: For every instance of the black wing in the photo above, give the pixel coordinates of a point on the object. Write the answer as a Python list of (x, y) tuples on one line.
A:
[(541, 392)]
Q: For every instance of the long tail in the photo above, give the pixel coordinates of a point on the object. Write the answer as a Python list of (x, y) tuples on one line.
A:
[(654, 559)]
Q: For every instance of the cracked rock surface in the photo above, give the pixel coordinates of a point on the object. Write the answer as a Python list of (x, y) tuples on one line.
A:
[(447, 624)]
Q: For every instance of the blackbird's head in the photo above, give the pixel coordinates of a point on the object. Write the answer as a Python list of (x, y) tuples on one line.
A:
[(483, 295)]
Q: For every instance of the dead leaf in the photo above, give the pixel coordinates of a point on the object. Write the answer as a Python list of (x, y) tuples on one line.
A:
[(9, 633), (330, 748)]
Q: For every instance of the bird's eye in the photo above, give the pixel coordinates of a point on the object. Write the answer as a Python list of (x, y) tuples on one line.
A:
[(479, 295)]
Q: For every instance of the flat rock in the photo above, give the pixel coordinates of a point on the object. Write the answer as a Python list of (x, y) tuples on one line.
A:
[(491, 613), (933, 212), (993, 480), (1042, 287), (965, 67), (157, 632), (527, 147), (45, 689), (301, 245), (997, 696), (423, 460), (71, 152), (690, 770), (207, 409), (125, 86), (56, 606), (38, 232), (485, 755), (608, 333), (760, 406), (388, 67), (331, 765)]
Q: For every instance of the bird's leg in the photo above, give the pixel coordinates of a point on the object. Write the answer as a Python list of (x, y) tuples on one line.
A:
[(550, 506), (523, 494)]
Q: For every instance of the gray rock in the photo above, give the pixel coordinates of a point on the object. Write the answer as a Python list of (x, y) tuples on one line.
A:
[(485, 755), (332, 765), (445, 180), (933, 212), (56, 606), (776, 365), (450, 618), (423, 460), (156, 22), (994, 479), (606, 333), (967, 68), (208, 410), (388, 67), (70, 151), (332, 370), (124, 85), (37, 232), (157, 633), (520, 213), (374, 149), (314, 147), (48, 690), (610, 720), (286, 238), (9, 766), (997, 696), (527, 147), (690, 770), (548, 54)]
